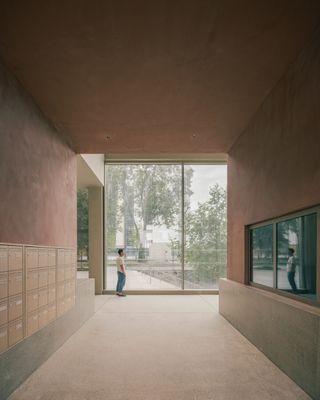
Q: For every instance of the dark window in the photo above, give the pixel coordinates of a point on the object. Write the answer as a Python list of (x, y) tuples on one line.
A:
[(283, 255)]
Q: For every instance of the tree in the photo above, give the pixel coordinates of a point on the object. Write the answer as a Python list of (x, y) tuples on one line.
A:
[(82, 221), (206, 235), (144, 194)]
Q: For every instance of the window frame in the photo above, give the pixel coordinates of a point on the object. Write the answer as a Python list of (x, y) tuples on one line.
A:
[(274, 222), (174, 161)]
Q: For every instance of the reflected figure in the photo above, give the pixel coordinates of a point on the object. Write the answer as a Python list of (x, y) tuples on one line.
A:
[(291, 270)]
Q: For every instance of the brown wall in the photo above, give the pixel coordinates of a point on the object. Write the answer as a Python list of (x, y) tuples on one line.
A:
[(37, 174), (274, 167)]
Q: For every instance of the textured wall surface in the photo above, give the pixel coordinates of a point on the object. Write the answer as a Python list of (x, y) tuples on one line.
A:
[(37, 174), (274, 167), (286, 331)]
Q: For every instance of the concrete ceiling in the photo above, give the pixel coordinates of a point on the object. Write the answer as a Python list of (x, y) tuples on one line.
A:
[(152, 76)]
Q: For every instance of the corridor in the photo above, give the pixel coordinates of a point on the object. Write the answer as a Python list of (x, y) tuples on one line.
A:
[(158, 347)]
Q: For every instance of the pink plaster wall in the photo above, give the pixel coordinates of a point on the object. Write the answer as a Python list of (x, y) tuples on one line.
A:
[(274, 167), (37, 174)]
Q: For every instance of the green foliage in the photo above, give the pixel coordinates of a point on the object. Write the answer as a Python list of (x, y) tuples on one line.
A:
[(82, 220), (206, 235)]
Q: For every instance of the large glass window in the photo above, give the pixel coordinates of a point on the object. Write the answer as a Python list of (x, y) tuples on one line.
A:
[(205, 225), (294, 267), (170, 219)]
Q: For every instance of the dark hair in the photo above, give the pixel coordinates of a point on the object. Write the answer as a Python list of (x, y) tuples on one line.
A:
[(291, 249), (120, 251)]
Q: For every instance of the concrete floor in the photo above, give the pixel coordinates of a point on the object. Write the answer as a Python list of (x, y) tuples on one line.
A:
[(154, 348)]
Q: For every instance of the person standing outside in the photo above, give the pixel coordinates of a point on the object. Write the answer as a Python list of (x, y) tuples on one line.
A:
[(121, 271), (291, 270)]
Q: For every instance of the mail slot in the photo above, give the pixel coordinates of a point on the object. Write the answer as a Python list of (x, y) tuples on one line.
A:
[(3, 338), (15, 332), (4, 276), (43, 277), (32, 257), (32, 279), (15, 307), (32, 301), (15, 258), (3, 259), (15, 283), (3, 312), (32, 323)]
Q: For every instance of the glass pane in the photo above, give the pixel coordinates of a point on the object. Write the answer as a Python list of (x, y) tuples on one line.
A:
[(297, 255), (143, 216), (261, 240), (205, 220), (82, 233)]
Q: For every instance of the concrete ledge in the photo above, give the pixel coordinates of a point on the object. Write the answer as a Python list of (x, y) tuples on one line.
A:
[(20, 361), (285, 330)]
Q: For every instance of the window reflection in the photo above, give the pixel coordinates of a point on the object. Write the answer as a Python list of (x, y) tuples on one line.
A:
[(297, 255), (262, 255)]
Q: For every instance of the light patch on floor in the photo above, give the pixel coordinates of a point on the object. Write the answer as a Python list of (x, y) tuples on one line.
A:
[(158, 348)]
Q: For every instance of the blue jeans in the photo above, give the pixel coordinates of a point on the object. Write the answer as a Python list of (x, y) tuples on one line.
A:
[(121, 282), (291, 280)]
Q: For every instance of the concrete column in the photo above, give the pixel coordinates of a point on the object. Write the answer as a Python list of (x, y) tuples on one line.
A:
[(96, 236)]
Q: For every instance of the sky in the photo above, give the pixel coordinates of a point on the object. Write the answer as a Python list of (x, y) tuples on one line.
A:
[(204, 177)]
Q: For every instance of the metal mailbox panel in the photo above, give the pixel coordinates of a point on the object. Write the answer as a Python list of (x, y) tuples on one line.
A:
[(52, 257), (4, 283), (51, 276), (51, 293), (15, 307), (4, 259), (43, 258), (32, 280), (15, 258), (52, 312), (43, 317), (3, 312), (15, 283), (15, 332), (43, 277), (43, 297), (32, 257), (32, 323), (61, 274), (32, 301), (4, 338)]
